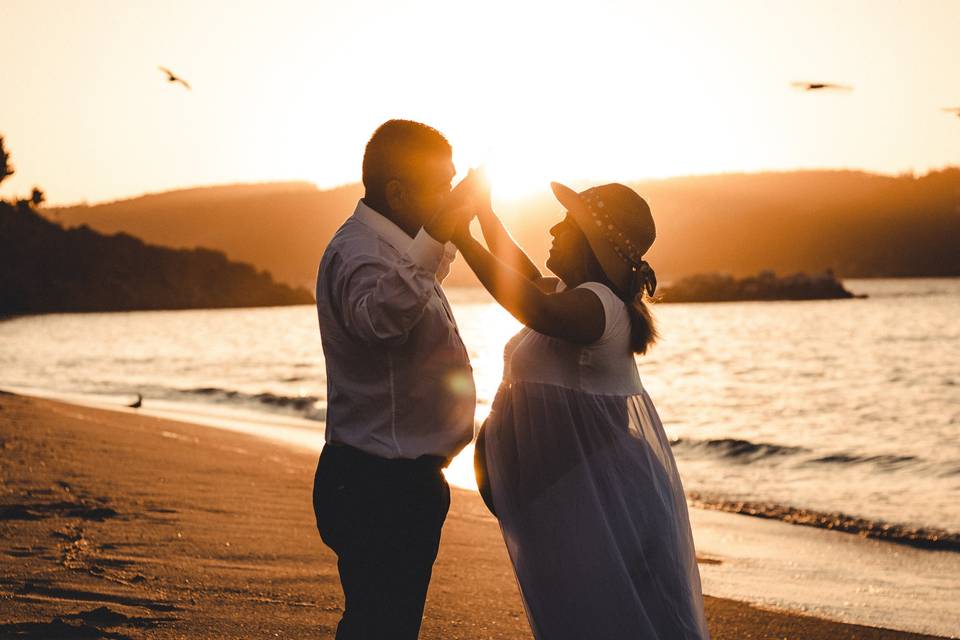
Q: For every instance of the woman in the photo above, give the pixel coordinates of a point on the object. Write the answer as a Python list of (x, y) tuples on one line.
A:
[(573, 457)]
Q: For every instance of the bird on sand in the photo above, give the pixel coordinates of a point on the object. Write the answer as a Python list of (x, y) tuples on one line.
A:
[(172, 77), (136, 404), (954, 110), (817, 86)]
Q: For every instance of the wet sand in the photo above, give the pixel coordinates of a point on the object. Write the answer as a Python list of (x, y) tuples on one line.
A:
[(117, 525)]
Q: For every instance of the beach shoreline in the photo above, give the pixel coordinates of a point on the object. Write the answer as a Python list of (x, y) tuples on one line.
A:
[(116, 524)]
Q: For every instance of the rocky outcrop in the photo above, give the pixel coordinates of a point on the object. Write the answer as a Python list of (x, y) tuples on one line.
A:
[(46, 268), (713, 287)]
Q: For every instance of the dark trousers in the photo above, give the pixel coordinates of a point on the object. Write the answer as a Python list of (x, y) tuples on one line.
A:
[(382, 518)]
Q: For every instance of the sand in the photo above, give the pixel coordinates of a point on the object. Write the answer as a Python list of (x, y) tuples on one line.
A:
[(118, 525)]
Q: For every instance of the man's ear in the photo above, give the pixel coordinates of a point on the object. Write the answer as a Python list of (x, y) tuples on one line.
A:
[(395, 196)]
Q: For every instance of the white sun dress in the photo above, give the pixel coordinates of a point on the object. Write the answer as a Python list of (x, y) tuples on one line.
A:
[(587, 491)]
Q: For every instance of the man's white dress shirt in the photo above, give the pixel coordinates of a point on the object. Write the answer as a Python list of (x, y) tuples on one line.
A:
[(399, 381)]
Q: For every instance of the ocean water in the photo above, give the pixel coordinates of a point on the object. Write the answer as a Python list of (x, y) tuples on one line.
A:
[(841, 413)]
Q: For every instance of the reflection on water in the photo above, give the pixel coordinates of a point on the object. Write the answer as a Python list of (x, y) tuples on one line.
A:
[(847, 405)]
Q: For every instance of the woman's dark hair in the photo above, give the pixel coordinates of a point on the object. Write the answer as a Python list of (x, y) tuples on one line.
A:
[(643, 329), (398, 147)]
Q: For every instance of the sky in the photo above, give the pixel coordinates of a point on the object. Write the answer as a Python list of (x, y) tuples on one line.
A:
[(573, 91)]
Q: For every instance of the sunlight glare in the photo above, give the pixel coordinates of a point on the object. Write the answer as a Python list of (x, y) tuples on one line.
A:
[(510, 175), (460, 472), (515, 178)]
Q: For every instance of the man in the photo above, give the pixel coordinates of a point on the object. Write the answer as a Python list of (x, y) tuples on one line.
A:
[(400, 391)]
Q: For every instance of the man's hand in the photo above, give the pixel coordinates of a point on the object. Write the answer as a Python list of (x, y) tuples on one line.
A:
[(458, 208), (442, 226)]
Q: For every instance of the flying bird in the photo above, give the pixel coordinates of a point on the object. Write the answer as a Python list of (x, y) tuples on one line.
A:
[(954, 110), (172, 77), (817, 86)]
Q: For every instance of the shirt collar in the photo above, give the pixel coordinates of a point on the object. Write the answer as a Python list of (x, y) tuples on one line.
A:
[(397, 238), (386, 229)]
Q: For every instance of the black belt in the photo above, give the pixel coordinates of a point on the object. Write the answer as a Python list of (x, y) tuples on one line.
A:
[(361, 457)]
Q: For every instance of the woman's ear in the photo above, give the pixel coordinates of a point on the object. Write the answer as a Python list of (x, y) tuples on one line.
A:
[(395, 195)]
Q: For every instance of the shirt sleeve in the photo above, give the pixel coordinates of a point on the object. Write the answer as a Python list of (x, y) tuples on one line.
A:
[(449, 255), (382, 299), (612, 308)]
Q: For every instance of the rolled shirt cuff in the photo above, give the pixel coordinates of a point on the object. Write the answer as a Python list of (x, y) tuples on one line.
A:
[(425, 252)]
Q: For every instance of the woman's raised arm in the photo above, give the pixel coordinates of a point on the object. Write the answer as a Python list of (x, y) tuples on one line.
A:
[(498, 239), (576, 315), (503, 246)]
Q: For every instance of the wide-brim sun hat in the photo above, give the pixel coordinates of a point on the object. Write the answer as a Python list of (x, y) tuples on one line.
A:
[(619, 227)]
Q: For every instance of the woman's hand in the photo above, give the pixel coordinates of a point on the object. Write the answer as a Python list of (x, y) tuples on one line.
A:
[(473, 192), (461, 235), (481, 191)]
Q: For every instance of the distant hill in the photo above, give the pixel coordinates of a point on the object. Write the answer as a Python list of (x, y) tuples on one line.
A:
[(278, 227), (46, 268), (857, 224)]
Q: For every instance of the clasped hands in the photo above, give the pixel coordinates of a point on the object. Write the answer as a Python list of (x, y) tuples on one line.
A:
[(470, 198)]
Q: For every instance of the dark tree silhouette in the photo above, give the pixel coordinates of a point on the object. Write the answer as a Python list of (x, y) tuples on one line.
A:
[(6, 169), (45, 267)]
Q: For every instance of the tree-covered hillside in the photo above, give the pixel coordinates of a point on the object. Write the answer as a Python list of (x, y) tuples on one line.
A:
[(857, 224), (46, 268)]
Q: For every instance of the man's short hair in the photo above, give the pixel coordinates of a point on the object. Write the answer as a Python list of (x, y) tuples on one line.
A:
[(398, 147)]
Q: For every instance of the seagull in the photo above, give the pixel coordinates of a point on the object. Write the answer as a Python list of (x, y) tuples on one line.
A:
[(136, 404), (816, 86), (954, 110), (172, 77)]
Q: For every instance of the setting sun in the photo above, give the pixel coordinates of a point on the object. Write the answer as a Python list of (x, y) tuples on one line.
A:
[(536, 91)]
